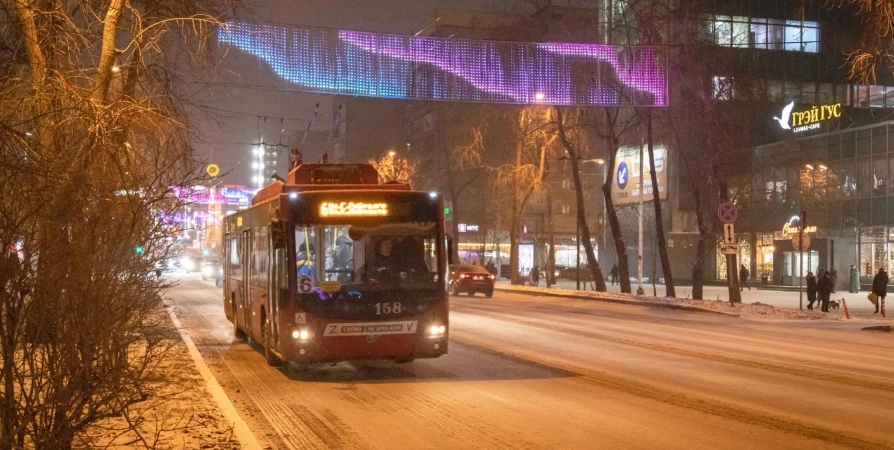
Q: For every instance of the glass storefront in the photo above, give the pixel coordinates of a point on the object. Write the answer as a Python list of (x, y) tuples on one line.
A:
[(875, 250), (764, 255), (842, 179)]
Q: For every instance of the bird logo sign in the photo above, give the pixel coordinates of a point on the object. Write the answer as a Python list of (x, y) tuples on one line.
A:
[(622, 175), (786, 116)]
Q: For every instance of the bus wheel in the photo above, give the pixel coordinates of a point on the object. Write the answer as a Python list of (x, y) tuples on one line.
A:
[(239, 334), (268, 345)]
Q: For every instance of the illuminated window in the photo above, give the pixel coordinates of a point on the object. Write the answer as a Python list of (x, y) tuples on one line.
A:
[(766, 34)]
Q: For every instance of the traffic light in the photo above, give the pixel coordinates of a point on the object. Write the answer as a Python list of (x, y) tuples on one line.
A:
[(206, 252), (139, 249), (446, 210)]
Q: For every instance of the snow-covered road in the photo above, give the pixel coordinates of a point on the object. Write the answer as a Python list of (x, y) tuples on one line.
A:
[(529, 372)]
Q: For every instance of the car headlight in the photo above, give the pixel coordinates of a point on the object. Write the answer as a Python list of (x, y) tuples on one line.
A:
[(302, 334), (437, 330), (207, 270), (187, 264)]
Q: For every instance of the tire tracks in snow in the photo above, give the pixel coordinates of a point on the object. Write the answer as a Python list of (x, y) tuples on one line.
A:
[(743, 361), (295, 426), (750, 416), (474, 432)]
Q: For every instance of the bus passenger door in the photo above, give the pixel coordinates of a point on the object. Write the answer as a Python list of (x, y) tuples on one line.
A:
[(246, 280), (277, 291)]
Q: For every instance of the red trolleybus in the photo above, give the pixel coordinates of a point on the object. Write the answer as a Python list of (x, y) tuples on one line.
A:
[(332, 266)]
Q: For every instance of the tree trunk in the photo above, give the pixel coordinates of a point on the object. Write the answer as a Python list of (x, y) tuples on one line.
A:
[(611, 152), (732, 275), (659, 218), (515, 219), (595, 270), (550, 240), (109, 52), (701, 253)]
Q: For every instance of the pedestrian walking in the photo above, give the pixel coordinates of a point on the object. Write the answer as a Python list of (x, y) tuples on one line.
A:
[(854, 280), (824, 288), (834, 273), (614, 274), (880, 286), (534, 276), (811, 290), (743, 277)]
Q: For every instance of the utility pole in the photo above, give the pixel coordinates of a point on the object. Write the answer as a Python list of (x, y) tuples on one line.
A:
[(803, 225), (639, 276), (577, 244)]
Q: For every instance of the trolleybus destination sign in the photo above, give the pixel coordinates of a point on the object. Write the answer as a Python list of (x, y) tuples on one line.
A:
[(352, 209)]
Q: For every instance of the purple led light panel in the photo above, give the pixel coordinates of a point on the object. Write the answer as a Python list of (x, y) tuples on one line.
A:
[(430, 68)]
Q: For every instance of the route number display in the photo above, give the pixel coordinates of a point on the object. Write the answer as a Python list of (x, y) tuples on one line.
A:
[(305, 284)]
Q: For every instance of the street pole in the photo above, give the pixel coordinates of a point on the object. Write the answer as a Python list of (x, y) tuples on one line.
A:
[(801, 259), (577, 247), (639, 276)]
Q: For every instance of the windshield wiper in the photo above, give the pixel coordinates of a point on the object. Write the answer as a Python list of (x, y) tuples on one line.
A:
[(354, 274)]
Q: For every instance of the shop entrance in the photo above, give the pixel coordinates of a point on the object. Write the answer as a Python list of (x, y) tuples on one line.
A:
[(791, 265)]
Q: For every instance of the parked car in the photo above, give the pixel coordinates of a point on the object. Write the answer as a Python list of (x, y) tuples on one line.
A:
[(557, 272), (212, 270), (571, 273), (471, 278)]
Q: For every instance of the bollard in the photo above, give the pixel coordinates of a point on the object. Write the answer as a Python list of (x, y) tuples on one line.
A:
[(883, 306), (844, 303)]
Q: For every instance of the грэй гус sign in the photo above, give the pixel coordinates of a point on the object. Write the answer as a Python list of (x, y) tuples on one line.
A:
[(807, 119)]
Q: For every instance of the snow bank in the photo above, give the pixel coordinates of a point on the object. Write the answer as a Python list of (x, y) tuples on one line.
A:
[(755, 310)]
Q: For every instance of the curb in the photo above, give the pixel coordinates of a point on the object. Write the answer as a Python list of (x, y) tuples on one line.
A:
[(616, 300), (240, 428)]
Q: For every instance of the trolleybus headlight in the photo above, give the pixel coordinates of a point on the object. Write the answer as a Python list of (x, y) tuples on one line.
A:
[(302, 334), (437, 330)]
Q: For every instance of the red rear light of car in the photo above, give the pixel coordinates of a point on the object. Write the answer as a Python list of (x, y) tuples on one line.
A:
[(462, 275), (490, 277)]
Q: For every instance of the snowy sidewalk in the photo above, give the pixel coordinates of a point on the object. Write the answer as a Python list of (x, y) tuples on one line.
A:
[(757, 304)]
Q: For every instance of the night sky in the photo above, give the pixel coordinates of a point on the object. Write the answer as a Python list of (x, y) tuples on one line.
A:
[(241, 96)]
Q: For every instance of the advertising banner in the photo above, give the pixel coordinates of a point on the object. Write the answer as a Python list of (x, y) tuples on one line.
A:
[(626, 185)]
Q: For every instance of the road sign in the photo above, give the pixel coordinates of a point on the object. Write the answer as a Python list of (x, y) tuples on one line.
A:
[(727, 212), (729, 234), (800, 245), (729, 249), (213, 170)]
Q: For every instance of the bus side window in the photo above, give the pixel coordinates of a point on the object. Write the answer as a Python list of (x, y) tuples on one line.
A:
[(234, 262)]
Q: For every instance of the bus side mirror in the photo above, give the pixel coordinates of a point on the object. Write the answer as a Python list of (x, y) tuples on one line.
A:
[(279, 237)]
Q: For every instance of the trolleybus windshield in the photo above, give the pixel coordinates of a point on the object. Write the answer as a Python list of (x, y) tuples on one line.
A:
[(344, 269)]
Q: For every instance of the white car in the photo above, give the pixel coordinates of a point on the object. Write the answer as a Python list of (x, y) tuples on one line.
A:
[(212, 270)]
